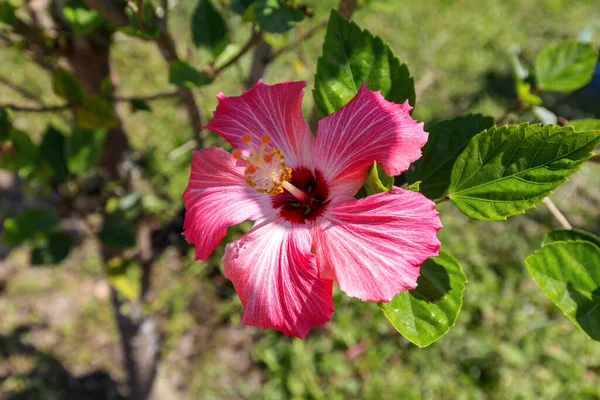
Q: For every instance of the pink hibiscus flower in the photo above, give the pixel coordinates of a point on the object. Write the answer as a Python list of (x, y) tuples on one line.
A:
[(309, 230)]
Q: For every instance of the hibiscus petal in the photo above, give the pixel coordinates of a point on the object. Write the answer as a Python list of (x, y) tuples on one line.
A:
[(216, 198), (276, 277), (374, 247), (274, 110), (368, 128)]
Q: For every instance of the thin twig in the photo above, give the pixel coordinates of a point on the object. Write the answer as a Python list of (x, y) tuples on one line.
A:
[(254, 39), (21, 90), (41, 109), (299, 40), (562, 220), (442, 199), (157, 96)]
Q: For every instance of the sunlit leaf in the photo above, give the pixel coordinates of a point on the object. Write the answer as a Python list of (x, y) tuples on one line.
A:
[(124, 276), (83, 149), (571, 234), (568, 274), (183, 74), (426, 313), (504, 171), (378, 181), (447, 139), (565, 66), (352, 56), (83, 19)]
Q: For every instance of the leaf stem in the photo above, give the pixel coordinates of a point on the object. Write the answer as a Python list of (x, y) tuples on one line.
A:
[(559, 216), (442, 199)]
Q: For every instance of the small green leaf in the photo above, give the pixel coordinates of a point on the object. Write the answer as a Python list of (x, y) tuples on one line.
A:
[(504, 171), (53, 248), (118, 231), (83, 149), (352, 56), (425, 314), (83, 19), (589, 124), (568, 274), (67, 86), (27, 224), (52, 154), (183, 74), (208, 28), (124, 276), (142, 23), (414, 187), (525, 95), (4, 125), (96, 112), (240, 6), (565, 66), (447, 139), (570, 235), (276, 16), (23, 152), (378, 181), (7, 13)]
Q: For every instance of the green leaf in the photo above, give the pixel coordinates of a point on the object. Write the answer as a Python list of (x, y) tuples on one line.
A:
[(140, 105), (83, 19), (352, 56), (565, 66), (568, 274), (589, 124), (4, 125), (118, 231), (52, 154), (96, 112), (524, 93), (7, 13), (183, 74), (53, 248), (276, 16), (378, 181), (504, 171), (83, 149), (142, 23), (414, 187), (240, 6), (208, 28), (27, 224), (22, 153), (124, 276), (447, 139), (425, 314), (565, 235), (67, 86)]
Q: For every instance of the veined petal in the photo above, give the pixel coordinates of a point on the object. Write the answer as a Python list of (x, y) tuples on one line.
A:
[(216, 198), (276, 277), (368, 128), (273, 110), (374, 247)]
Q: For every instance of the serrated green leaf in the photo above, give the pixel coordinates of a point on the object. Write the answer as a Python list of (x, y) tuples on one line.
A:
[(183, 74), (352, 56), (95, 112), (83, 19), (276, 16), (570, 235), (588, 124), (52, 154), (208, 28), (83, 149), (447, 139), (504, 171), (4, 125), (378, 181), (425, 314), (568, 274), (565, 66), (67, 86), (54, 248), (27, 224)]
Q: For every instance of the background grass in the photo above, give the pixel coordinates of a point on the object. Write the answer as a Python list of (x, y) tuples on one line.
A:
[(509, 342)]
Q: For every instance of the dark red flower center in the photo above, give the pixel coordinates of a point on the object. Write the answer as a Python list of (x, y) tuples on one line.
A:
[(315, 187)]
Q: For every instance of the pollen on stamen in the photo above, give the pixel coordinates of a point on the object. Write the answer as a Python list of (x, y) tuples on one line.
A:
[(247, 138), (266, 139), (236, 154)]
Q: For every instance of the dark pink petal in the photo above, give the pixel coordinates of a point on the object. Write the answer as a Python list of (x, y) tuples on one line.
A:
[(216, 198), (273, 110), (368, 128), (374, 247), (276, 277)]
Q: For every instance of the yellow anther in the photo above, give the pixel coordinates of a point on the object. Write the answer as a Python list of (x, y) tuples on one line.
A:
[(266, 171)]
